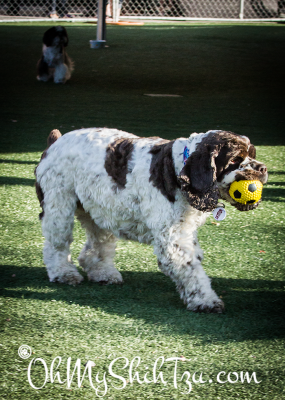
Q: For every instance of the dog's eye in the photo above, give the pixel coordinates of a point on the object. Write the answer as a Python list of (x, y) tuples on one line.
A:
[(236, 160)]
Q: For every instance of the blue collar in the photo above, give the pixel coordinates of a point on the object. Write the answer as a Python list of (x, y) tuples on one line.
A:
[(185, 154)]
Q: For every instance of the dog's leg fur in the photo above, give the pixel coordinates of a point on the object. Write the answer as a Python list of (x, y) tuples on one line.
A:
[(63, 69), (61, 73), (97, 255), (57, 225), (69, 63), (181, 260), (43, 71)]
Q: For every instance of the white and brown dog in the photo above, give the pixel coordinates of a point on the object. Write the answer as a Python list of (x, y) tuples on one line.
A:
[(55, 62), (146, 189)]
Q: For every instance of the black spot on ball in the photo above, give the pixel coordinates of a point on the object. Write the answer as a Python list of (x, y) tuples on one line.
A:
[(237, 194), (250, 201), (252, 187)]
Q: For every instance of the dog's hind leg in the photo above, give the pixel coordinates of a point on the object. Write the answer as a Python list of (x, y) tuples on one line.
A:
[(97, 255), (57, 226)]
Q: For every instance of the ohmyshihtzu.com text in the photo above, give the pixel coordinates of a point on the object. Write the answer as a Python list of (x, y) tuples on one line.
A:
[(133, 372)]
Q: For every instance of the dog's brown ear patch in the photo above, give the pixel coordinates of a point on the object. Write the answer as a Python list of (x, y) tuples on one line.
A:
[(197, 178), (207, 164), (204, 200), (118, 154), (252, 151), (162, 171)]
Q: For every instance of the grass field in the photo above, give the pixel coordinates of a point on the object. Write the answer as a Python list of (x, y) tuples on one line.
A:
[(230, 77)]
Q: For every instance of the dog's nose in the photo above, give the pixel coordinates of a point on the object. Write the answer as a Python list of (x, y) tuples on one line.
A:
[(261, 168)]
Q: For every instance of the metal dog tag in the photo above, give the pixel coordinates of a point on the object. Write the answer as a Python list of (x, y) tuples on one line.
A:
[(219, 213)]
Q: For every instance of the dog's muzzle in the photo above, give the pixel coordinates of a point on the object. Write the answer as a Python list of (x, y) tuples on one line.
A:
[(247, 207)]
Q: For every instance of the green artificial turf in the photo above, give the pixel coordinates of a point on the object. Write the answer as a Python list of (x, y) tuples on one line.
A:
[(230, 77)]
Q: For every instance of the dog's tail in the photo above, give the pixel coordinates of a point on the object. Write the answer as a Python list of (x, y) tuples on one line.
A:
[(52, 137)]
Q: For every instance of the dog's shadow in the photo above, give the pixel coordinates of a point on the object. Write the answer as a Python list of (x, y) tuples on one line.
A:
[(254, 308)]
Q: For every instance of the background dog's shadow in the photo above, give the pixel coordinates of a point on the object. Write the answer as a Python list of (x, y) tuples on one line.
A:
[(255, 305)]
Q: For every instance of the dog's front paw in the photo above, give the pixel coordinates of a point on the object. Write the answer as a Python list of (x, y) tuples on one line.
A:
[(216, 308), (69, 276), (105, 276), (43, 78), (205, 303), (60, 81)]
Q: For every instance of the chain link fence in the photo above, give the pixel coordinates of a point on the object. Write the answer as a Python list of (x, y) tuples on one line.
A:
[(145, 9)]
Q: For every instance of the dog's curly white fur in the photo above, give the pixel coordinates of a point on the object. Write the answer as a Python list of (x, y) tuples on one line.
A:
[(122, 186), (55, 62)]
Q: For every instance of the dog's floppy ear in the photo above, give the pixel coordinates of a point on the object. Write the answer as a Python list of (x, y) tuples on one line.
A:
[(62, 33), (49, 36), (252, 151), (197, 179), (65, 38)]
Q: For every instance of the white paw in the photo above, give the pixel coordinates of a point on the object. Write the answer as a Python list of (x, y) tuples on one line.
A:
[(67, 275), (105, 276), (43, 78), (216, 307)]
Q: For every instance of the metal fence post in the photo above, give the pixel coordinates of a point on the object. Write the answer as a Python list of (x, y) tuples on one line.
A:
[(101, 22), (241, 8), (116, 10)]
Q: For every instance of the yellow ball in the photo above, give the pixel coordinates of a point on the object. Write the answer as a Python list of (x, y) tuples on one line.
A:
[(246, 192)]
